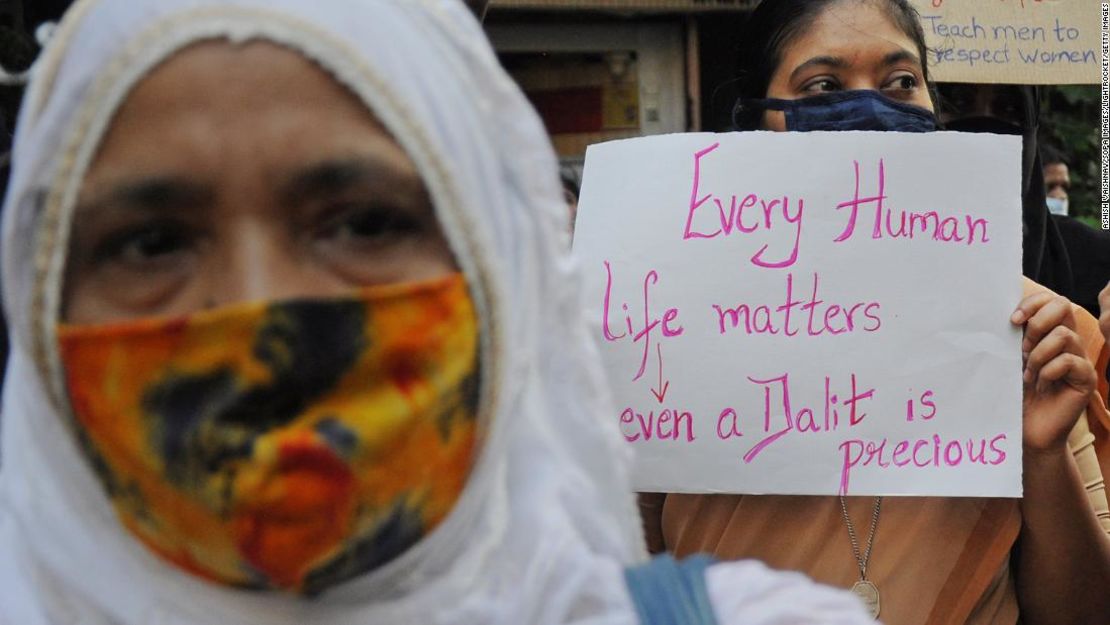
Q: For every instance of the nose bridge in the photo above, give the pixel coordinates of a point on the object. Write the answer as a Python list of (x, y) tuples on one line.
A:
[(255, 262), (858, 80)]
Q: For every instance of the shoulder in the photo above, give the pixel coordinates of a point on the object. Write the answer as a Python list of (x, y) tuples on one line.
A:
[(1077, 232), (749, 592)]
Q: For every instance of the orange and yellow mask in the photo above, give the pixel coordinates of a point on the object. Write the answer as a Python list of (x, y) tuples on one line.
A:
[(288, 445)]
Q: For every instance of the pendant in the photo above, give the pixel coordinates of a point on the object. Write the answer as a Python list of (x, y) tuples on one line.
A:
[(869, 594)]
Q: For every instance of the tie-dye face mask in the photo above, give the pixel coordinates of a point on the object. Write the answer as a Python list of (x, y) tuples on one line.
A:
[(290, 445)]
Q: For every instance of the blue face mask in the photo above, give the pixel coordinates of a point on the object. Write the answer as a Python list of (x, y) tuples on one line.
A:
[(847, 110)]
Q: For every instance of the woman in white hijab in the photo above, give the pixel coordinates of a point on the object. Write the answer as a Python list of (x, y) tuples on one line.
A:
[(296, 340)]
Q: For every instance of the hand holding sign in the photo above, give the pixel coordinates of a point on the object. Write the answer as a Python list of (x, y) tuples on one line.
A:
[(1058, 377), (810, 313)]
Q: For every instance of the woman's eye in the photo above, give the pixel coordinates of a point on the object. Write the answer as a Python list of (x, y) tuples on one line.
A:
[(144, 245), (371, 225), (821, 85), (902, 82)]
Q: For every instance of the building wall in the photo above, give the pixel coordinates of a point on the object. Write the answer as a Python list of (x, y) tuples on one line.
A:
[(597, 74)]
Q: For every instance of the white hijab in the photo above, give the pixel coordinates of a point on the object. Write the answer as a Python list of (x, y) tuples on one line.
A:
[(547, 521)]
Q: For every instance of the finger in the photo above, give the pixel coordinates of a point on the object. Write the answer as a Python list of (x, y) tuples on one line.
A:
[(1075, 370), (1056, 312), (1061, 340), (1029, 305)]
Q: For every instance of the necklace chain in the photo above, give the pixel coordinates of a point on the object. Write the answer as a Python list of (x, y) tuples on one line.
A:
[(863, 560)]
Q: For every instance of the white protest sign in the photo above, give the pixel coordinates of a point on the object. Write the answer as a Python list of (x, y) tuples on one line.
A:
[(1013, 41), (810, 313)]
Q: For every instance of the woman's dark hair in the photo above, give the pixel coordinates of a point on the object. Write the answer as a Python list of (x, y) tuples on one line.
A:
[(776, 23), (1052, 155)]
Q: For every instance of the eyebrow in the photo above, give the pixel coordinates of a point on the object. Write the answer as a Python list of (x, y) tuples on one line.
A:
[(335, 176), (169, 193), (900, 56), (155, 194), (822, 61)]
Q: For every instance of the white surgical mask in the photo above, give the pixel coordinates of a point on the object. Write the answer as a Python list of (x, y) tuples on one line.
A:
[(1057, 206)]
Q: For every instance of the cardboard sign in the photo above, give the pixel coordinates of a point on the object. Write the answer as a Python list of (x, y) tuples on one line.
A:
[(1013, 41), (810, 313)]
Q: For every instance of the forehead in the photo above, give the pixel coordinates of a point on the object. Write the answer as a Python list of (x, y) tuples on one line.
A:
[(855, 30), (215, 104), (222, 77)]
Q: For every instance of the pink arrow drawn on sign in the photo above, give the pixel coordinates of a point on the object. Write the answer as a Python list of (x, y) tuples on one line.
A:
[(662, 392)]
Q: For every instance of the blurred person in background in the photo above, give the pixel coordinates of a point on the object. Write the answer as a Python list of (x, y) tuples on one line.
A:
[(1057, 180), (1088, 248), (571, 188)]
